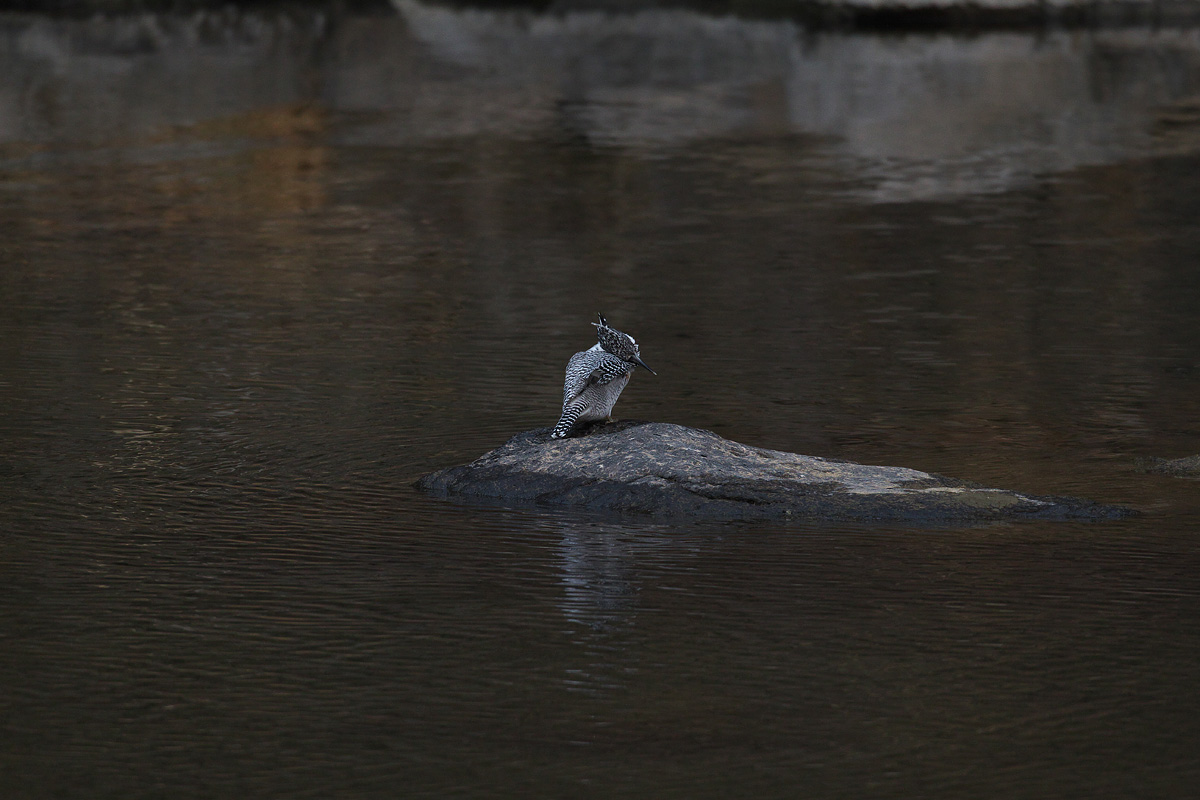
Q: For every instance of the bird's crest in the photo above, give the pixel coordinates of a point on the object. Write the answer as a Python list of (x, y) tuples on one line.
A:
[(620, 344)]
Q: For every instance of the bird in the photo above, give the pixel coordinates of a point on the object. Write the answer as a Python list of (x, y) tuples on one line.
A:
[(596, 377)]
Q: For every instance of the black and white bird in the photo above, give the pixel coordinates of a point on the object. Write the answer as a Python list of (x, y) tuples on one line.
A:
[(596, 377)]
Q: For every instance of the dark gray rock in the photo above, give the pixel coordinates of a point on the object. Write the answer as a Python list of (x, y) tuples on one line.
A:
[(671, 472), (1179, 467)]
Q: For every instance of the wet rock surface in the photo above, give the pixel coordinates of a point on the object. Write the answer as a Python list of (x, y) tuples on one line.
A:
[(670, 472)]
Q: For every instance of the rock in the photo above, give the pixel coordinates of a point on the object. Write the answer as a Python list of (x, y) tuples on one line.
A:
[(1180, 467), (671, 472)]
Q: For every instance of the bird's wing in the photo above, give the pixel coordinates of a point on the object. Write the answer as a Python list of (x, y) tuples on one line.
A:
[(579, 369), (590, 368), (610, 369)]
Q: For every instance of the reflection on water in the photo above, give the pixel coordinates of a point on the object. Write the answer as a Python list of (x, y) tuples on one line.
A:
[(597, 589), (918, 116), (927, 116), (262, 271), (600, 591)]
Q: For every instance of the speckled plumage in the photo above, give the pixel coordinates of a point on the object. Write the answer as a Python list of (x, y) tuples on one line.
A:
[(596, 377)]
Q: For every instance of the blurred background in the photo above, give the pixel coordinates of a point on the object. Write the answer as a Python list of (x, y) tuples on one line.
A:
[(263, 265)]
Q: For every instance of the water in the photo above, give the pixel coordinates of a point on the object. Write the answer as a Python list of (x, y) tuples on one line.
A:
[(262, 272)]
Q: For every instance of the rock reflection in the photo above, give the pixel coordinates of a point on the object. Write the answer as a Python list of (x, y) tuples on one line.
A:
[(107, 78), (921, 116), (913, 117)]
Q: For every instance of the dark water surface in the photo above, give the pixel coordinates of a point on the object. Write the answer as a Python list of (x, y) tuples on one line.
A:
[(260, 273)]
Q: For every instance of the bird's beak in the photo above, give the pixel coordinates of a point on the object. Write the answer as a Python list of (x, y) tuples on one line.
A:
[(640, 363)]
